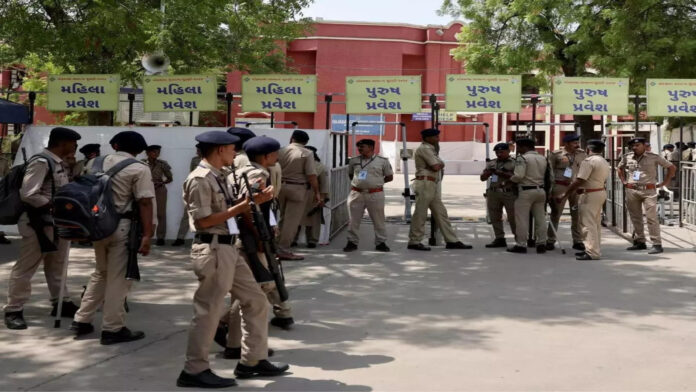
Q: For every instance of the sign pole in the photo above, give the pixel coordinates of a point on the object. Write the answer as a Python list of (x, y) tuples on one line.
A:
[(328, 98), (228, 98)]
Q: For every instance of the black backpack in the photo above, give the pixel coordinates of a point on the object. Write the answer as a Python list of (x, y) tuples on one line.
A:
[(84, 209), (11, 204)]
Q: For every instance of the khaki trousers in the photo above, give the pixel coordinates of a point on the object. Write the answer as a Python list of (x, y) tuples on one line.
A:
[(557, 211), (292, 201), (495, 202), (108, 284), (30, 257), (161, 197), (636, 201), (374, 203), (183, 226), (590, 209), (220, 270), (428, 196), (530, 200)]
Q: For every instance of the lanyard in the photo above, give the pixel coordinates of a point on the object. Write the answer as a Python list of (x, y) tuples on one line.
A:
[(221, 184), (368, 162)]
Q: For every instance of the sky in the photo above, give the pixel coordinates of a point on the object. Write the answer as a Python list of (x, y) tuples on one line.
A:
[(421, 12)]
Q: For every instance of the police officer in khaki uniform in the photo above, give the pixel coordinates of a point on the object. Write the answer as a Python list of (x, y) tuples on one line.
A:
[(183, 224), (692, 152), (501, 193), (667, 151), (429, 168), (564, 163), (220, 270), (36, 192), (638, 172), (299, 184), (589, 184), (108, 286), (263, 153), (529, 175), (90, 151), (161, 176), (368, 173), (312, 217)]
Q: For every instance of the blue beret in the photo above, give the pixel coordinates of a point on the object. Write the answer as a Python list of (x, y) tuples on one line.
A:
[(129, 140), (153, 147), (220, 138), (571, 137), (668, 145), (242, 133), (89, 148), (501, 146), (60, 133), (260, 145), (596, 142), (430, 132), (637, 140), (691, 144), (300, 136), (368, 142), (526, 142)]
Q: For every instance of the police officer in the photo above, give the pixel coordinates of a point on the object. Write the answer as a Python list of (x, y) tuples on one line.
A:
[(263, 153), (429, 168), (501, 192), (299, 184), (108, 286), (89, 151), (589, 184), (220, 270), (529, 175), (161, 176), (667, 151), (676, 154), (312, 217), (368, 173), (564, 163), (183, 224), (692, 151), (638, 172), (37, 192)]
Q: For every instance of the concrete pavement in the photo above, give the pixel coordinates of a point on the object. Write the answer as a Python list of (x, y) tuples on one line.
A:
[(442, 320)]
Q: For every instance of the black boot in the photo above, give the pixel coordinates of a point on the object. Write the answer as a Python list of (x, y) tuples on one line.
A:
[(4, 240), (236, 353), (457, 245), (204, 379), (382, 247), (497, 243), (282, 322), (178, 242), (262, 369), (418, 246), (123, 335), (638, 246), (541, 248), (160, 242), (578, 246), (81, 328), (550, 246), (350, 246), (15, 320), (68, 310), (517, 249)]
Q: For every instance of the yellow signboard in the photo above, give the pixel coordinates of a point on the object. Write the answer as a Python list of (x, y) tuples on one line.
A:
[(83, 92), (383, 94), (279, 93)]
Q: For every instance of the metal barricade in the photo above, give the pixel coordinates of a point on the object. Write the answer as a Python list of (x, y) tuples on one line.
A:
[(687, 201), (339, 191)]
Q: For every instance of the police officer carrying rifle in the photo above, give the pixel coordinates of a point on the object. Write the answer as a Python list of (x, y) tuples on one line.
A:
[(501, 192)]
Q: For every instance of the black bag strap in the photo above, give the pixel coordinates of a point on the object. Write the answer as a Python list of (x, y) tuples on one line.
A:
[(51, 168), (120, 166), (98, 165)]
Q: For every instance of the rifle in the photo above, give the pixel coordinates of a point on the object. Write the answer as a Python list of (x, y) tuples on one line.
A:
[(317, 209), (135, 236), (266, 239)]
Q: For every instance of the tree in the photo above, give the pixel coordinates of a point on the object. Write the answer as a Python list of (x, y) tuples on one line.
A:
[(636, 39), (111, 36)]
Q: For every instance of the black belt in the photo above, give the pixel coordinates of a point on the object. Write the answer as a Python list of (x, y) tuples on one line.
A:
[(207, 238), (127, 215), (526, 188), (293, 182)]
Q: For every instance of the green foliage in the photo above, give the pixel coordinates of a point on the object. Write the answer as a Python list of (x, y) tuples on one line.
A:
[(111, 36)]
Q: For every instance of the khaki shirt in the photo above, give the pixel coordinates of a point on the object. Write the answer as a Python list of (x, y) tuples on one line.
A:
[(241, 159), (322, 178), (675, 155), (426, 156), (645, 166), (276, 178), (78, 168), (37, 185), (132, 182), (561, 159), (194, 162), (376, 168), (529, 169), (506, 166), (161, 172), (255, 173), (296, 162), (594, 170), (206, 192)]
